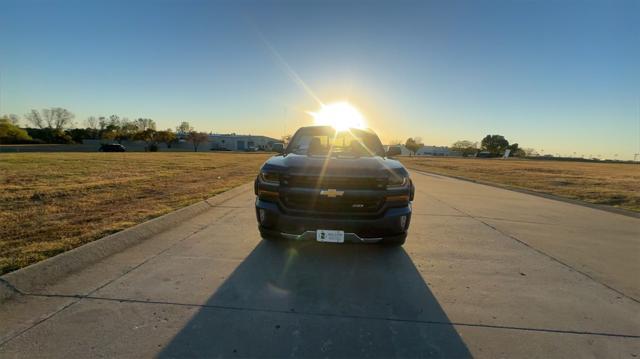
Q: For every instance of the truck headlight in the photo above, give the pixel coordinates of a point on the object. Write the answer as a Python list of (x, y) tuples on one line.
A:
[(270, 177), (397, 181)]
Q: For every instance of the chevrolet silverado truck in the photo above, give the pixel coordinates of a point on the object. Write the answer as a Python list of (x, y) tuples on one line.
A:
[(334, 186)]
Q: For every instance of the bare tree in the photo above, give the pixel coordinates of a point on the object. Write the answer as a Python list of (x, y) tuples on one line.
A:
[(127, 130), (184, 129), (91, 122), (34, 118), (47, 117), (102, 122), (114, 120), (54, 118), (144, 124), (196, 138), (57, 117)]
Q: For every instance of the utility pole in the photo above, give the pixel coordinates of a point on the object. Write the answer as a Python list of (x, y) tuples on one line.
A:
[(635, 155), (284, 123), (0, 92)]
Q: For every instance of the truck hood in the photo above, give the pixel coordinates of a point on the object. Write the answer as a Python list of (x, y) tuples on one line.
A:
[(334, 166)]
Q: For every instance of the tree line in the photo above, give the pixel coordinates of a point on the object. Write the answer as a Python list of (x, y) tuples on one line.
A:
[(56, 126), (492, 145)]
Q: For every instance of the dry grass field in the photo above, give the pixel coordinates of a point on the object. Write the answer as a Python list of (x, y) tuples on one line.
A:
[(613, 184), (53, 202)]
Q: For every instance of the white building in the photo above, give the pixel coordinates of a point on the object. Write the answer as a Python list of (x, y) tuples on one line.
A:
[(427, 151), (404, 151), (436, 151), (233, 142)]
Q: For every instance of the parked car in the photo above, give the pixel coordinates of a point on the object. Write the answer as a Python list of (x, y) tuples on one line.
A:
[(334, 186), (112, 147), (485, 154)]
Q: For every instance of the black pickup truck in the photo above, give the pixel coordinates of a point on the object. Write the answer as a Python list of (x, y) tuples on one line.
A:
[(334, 186)]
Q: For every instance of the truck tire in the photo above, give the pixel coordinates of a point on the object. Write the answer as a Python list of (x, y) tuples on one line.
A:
[(396, 241)]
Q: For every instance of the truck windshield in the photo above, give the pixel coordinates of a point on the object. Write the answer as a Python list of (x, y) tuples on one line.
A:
[(322, 141)]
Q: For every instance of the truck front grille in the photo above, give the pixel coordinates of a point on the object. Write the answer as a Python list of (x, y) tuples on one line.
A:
[(370, 183), (339, 204)]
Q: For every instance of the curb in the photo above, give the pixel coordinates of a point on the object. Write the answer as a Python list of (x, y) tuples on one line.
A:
[(26, 279), (601, 207)]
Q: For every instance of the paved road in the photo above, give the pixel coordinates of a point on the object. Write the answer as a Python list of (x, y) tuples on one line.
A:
[(485, 272)]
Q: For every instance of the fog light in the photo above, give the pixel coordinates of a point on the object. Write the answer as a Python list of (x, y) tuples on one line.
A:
[(263, 215), (403, 221)]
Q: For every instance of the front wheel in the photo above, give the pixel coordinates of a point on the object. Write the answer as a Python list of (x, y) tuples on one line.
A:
[(270, 236), (395, 241)]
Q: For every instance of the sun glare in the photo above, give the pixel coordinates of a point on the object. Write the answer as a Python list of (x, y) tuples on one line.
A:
[(340, 115)]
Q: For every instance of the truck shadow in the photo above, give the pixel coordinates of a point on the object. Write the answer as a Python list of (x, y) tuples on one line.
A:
[(306, 299)]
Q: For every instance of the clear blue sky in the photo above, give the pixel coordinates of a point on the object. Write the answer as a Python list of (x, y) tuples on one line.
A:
[(562, 76)]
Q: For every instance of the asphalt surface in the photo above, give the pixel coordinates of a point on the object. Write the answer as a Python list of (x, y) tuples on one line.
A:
[(485, 272)]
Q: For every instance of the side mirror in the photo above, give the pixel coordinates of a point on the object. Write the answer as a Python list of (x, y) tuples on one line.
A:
[(393, 151)]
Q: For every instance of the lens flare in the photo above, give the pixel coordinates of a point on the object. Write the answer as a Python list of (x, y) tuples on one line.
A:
[(341, 115)]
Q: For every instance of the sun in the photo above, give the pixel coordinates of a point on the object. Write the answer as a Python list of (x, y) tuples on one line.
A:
[(341, 115)]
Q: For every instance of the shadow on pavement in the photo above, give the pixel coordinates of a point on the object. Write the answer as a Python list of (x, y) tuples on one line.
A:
[(306, 299)]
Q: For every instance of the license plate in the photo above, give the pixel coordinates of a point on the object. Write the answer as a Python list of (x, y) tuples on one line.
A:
[(324, 235)]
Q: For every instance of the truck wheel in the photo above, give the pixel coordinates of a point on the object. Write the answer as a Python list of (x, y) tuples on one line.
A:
[(270, 238), (395, 241)]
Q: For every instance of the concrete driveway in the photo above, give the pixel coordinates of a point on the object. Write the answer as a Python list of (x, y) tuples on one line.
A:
[(485, 272)]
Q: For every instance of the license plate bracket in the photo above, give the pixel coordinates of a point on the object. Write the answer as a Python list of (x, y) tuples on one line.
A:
[(329, 236)]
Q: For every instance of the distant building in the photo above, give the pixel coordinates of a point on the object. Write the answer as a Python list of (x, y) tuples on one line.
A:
[(233, 142), (427, 151), (220, 142), (436, 151), (404, 151)]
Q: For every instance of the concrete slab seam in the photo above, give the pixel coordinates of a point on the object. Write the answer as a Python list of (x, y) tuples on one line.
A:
[(540, 251), (352, 316)]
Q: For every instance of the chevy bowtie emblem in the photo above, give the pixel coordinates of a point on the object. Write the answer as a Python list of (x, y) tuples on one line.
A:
[(331, 193)]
